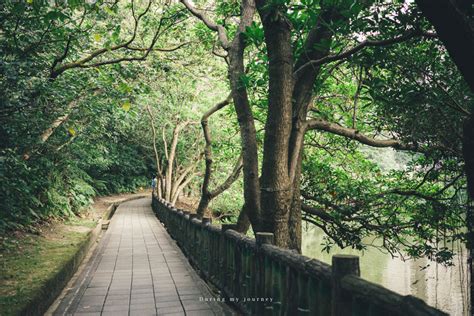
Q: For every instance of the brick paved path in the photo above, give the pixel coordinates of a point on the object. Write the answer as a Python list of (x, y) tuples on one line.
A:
[(138, 269)]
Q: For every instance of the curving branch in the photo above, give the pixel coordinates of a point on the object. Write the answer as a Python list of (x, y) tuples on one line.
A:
[(352, 133), (170, 49), (233, 176), (323, 215), (87, 61), (221, 32), (367, 43)]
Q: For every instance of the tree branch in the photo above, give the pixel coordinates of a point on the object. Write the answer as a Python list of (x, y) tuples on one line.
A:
[(233, 176), (221, 32), (355, 134), (83, 62), (360, 46)]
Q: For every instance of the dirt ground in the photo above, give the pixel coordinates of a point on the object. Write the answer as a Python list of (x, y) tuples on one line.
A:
[(188, 203)]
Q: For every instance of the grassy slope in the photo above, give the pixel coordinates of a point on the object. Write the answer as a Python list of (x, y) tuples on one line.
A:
[(28, 261)]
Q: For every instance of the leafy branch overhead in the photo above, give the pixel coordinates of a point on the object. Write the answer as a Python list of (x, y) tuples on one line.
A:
[(352, 116)]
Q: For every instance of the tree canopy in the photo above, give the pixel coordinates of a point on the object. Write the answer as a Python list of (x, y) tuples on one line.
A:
[(266, 113)]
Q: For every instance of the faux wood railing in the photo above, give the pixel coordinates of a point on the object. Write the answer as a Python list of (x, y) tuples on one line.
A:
[(262, 279)]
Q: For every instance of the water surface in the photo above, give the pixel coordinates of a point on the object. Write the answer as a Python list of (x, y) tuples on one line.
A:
[(439, 286)]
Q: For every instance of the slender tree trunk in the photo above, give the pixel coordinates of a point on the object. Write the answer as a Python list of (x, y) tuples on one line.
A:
[(184, 175), (302, 97), (248, 132), (202, 209), (235, 59), (46, 134), (180, 188), (206, 195), (157, 157), (295, 220), (243, 223), (171, 156)]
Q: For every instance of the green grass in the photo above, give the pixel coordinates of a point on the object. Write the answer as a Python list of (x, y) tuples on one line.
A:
[(76, 221), (28, 261)]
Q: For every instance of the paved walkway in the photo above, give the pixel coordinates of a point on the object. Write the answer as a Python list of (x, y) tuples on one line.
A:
[(138, 269)]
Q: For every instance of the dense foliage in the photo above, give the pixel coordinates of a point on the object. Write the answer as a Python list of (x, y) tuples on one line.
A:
[(69, 135), (78, 80)]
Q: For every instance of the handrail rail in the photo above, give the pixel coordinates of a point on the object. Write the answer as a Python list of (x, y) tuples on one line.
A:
[(262, 279)]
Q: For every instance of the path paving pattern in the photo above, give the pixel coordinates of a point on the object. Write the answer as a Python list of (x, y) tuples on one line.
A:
[(138, 270)]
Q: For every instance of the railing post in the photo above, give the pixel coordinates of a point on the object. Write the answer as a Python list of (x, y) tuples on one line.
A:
[(263, 286), (205, 247), (342, 265), (225, 276), (264, 239), (194, 245)]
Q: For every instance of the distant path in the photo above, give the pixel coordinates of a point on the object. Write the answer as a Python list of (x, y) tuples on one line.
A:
[(138, 269)]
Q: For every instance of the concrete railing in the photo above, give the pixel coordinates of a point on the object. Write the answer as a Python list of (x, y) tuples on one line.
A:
[(262, 279)]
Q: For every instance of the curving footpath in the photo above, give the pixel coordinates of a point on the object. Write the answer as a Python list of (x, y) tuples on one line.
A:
[(137, 269)]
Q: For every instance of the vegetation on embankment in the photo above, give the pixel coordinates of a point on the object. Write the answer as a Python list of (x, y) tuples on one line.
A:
[(29, 262), (35, 266)]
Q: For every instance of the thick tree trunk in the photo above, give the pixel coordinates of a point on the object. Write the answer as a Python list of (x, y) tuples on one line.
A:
[(453, 22), (468, 152), (276, 189)]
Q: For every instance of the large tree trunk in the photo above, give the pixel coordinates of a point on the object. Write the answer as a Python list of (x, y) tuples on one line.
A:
[(468, 152), (276, 189), (453, 22)]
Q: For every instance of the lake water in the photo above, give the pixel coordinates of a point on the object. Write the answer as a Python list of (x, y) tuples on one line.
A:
[(442, 287)]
